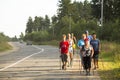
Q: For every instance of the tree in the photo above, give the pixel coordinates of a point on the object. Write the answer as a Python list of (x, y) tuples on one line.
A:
[(53, 24), (87, 10), (47, 22), (96, 9), (64, 8), (41, 19), (36, 23), (29, 26), (116, 9), (111, 9), (21, 36)]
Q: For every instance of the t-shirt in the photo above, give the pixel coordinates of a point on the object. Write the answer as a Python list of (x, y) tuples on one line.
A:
[(95, 44), (90, 37), (64, 45), (86, 51), (81, 43)]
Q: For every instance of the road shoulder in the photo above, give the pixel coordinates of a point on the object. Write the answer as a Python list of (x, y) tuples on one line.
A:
[(14, 48)]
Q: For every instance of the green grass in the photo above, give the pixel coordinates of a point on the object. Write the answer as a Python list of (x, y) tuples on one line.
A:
[(110, 61), (4, 46), (53, 42)]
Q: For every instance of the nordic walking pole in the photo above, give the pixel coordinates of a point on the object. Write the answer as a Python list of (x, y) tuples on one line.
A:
[(60, 63), (60, 60), (79, 62)]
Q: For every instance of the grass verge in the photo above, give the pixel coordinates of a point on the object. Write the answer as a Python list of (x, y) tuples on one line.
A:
[(53, 42), (109, 65), (4, 46)]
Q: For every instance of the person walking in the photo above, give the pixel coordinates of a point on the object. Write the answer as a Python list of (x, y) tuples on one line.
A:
[(63, 46), (80, 44), (75, 42), (88, 36), (70, 50), (87, 53), (81, 41), (96, 46)]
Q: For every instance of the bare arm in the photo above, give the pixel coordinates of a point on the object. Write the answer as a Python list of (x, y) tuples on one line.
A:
[(99, 46), (92, 50)]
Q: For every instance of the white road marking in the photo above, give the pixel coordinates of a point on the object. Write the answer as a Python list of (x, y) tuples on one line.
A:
[(23, 59)]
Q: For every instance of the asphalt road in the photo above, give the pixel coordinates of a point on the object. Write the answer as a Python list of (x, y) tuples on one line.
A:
[(38, 62)]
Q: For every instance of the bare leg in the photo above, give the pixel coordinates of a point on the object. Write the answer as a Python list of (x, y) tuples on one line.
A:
[(71, 59), (96, 63), (89, 72)]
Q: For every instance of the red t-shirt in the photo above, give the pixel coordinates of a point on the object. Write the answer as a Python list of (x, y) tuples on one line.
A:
[(64, 47)]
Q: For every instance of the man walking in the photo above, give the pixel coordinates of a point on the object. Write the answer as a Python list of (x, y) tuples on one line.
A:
[(63, 46), (96, 46)]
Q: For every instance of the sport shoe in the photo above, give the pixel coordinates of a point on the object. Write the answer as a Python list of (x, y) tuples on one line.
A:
[(89, 74), (86, 73), (97, 67), (94, 68), (65, 68), (62, 66)]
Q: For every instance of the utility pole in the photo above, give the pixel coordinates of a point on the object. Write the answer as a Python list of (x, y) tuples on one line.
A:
[(102, 13), (70, 24)]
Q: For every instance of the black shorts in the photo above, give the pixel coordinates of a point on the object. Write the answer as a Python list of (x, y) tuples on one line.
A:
[(64, 57), (87, 62), (96, 55)]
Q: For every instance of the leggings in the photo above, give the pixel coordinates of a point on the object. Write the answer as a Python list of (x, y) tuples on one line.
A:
[(87, 62)]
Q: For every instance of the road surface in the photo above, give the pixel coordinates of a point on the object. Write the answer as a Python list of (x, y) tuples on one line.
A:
[(38, 62)]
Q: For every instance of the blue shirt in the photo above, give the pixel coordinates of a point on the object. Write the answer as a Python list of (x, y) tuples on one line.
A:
[(81, 43), (95, 44), (90, 37)]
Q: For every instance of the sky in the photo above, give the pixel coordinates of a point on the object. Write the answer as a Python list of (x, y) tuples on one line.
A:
[(14, 14)]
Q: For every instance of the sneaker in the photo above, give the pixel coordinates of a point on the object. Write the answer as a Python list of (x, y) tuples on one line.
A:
[(65, 68), (62, 66), (86, 73), (94, 68), (89, 74), (97, 67)]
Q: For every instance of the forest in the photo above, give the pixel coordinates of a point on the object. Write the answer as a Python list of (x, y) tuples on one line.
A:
[(76, 17)]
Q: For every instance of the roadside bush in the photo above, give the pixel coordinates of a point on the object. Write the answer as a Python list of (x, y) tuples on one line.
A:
[(38, 36), (3, 38)]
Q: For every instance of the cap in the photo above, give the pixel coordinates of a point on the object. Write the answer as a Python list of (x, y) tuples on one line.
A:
[(86, 39), (86, 32)]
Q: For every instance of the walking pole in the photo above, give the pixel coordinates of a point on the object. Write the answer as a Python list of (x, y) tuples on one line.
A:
[(79, 66), (60, 60), (92, 65), (79, 62), (60, 63)]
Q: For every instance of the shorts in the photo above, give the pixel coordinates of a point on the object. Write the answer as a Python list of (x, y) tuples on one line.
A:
[(70, 49), (96, 55), (64, 57), (87, 62)]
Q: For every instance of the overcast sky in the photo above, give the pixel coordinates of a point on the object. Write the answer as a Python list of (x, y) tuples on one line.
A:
[(15, 13)]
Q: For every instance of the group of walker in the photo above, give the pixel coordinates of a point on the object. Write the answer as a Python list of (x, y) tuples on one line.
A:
[(89, 47)]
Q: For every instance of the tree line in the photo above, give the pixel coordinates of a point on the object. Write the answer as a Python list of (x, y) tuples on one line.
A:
[(76, 17)]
